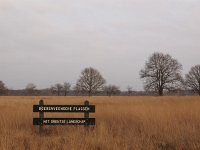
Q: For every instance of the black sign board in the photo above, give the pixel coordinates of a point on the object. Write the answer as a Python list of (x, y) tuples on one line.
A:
[(63, 121), (86, 109), (64, 108)]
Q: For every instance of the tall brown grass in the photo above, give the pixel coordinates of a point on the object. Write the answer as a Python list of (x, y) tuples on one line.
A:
[(122, 123)]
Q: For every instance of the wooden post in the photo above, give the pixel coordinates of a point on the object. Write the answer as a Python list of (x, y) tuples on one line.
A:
[(41, 115), (86, 114)]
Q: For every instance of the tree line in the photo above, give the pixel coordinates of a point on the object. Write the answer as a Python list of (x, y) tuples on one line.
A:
[(89, 83), (161, 73)]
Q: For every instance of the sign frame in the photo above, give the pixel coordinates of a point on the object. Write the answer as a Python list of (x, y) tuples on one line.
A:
[(86, 109)]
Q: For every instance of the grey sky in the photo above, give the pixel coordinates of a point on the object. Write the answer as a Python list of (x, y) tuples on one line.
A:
[(48, 41)]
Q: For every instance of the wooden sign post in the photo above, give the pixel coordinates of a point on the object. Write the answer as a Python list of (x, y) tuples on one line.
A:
[(41, 115), (86, 109)]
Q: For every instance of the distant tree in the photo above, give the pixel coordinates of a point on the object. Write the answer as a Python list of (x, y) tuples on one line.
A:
[(57, 88), (129, 89), (90, 81), (66, 88), (111, 90), (3, 88), (161, 72), (193, 79), (30, 88), (52, 90), (78, 90)]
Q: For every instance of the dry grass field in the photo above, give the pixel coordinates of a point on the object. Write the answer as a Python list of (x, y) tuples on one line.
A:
[(122, 123)]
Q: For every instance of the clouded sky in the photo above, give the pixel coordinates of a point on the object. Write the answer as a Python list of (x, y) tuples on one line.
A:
[(47, 41)]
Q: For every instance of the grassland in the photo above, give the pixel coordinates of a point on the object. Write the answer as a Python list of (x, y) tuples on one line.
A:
[(122, 123)]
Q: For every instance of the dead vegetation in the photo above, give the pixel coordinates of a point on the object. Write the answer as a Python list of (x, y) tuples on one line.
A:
[(122, 123)]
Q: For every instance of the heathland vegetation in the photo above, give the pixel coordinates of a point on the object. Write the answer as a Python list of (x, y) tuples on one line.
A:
[(122, 123)]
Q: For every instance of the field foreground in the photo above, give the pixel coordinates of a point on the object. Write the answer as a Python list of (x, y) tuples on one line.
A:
[(122, 123)]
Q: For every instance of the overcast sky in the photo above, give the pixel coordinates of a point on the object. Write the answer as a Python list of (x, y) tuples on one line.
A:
[(48, 41)]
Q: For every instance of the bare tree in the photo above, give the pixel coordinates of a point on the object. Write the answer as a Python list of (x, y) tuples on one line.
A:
[(30, 88), (52, 90), (90, 81), (78, 90), (111, 90), (57, 88), (129, 89), (3, 88), (193, 79), (161, 72), (66, 88)]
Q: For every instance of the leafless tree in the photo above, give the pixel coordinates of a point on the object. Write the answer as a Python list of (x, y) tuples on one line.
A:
[(30, 88), (3, 88), (90, 81), (78, 90), (129, 89), (66, 88), (112, 90), (57, 88), (161, 72), (193, 79), (52, 90)]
